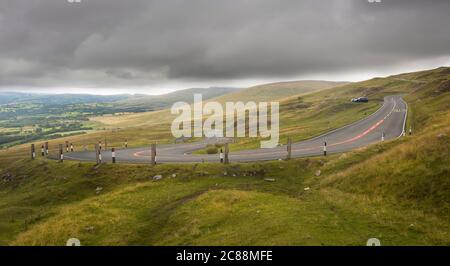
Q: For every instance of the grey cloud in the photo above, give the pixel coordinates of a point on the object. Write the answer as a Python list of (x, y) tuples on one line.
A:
[(139, 42)]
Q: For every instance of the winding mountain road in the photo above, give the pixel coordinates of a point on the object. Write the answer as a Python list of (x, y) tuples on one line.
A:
[(390, 119)]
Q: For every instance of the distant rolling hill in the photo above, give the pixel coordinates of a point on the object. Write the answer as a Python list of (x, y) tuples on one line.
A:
[(120, 102), (155, 102), (279, 90), (66, 98)]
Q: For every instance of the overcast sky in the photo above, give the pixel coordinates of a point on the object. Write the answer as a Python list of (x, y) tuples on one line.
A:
[(112, 46)]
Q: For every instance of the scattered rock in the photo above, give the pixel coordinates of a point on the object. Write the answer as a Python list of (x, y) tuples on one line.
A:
[(269, 179), (98, 190), (174, 175), (157, 177), (258, 211), (8, 177), (234, 174), (318, 172), (225, 173), (441, 135), (306, 188), (89, 229)]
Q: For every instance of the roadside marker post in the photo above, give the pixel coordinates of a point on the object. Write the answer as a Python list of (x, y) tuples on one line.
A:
[(227, 150), (153, 153), (98, 155), (71, 147), (61, 153), (33, 152), (324, 148), (410, 131), (382, 136), (126, 144), (113, 155), (42, 150), (67, 146), (289, 148), (46, 147), (221, 156)]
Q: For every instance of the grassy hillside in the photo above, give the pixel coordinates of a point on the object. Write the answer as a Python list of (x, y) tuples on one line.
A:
[(277, 91), (267, 92), (397, 191)]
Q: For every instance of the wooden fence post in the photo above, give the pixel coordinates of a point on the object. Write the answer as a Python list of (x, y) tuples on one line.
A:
[(227, 161), (289, 149), (33, 152), (46, 147), (153, 154)]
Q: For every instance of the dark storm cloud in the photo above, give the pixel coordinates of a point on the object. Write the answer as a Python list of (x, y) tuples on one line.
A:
[(139, 43)]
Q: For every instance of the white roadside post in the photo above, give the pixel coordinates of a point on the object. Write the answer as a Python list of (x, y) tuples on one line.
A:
[(113, 155), (382, 136), (324, 148), (221, 156)]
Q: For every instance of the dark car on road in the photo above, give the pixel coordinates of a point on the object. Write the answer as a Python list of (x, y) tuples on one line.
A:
[(360, 100)]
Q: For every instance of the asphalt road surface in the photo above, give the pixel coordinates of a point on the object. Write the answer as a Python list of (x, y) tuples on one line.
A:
[(390, 119)]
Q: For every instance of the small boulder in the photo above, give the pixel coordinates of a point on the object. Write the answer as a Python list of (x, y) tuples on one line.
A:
[(157, 177), (306, 189), (89, 229), (318, 172), (98, 190), (269, 179), (174, 175)]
